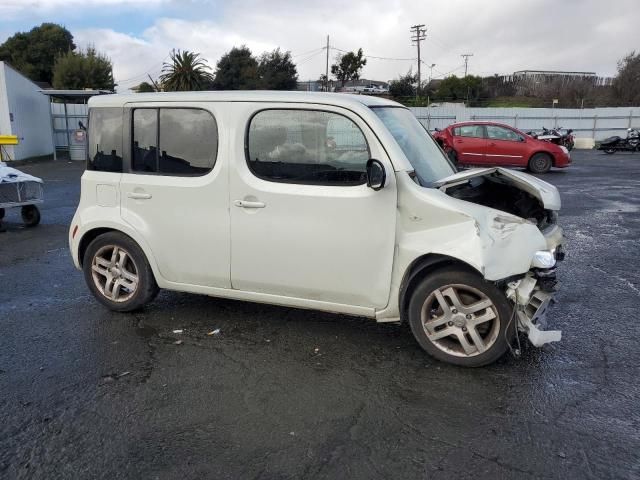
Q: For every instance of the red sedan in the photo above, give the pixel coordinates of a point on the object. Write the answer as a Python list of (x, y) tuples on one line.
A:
[(496, 144)]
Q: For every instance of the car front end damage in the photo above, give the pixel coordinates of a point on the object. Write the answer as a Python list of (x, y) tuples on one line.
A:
[(533, 293), (524, 199)]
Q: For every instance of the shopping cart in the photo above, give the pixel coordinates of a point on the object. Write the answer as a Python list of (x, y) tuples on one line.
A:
[(19, 189)]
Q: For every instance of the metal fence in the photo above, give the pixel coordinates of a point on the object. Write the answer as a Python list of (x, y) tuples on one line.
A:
[(596, 123)]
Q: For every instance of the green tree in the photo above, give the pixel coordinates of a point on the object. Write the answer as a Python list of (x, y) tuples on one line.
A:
[(276, 71), (404, 85), (186, 71), (78, 70), (626, 85), (144, 87), (456, 88), (348, 66), (236, 70), (34, 53)]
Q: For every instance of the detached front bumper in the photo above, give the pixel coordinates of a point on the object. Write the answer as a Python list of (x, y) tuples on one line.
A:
[(531, 296)]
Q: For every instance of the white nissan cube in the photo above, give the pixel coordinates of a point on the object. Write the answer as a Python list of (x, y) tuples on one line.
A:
[(341, 203)]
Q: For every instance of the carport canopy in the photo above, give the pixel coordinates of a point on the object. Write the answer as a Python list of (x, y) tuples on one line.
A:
[(67, 96)]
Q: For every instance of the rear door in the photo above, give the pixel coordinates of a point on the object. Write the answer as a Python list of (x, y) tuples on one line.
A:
[(505, 147), (175, 189), (304, 224), (470, 144)]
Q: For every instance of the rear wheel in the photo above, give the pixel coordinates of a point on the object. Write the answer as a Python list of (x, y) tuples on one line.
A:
[(117, 273), (540, 163), (458, 317), (30, 215), (453, 156), (2, 212), (609, 151)]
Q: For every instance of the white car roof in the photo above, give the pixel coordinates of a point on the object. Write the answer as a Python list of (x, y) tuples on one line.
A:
[(337, 99)]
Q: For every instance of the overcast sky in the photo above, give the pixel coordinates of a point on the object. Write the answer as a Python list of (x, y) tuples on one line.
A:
[(503, 35)]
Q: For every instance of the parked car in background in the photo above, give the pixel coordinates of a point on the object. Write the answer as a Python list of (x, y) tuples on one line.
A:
[(496, 144), (341, 203)]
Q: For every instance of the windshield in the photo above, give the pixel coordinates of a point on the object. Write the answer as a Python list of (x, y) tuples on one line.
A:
[(428, 161)]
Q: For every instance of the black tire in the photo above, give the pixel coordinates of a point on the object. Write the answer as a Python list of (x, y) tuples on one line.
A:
[(30, 215), (498, 332), (2, 213), (609, 151), (453, 156), (135, 261), (540, 163)]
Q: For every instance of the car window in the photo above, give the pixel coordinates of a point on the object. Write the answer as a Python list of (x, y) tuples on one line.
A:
[(306, 146), (105, 140), (174, 141), (475, 131), (495, 132)]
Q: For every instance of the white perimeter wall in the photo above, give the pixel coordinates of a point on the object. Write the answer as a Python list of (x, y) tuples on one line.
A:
[(30, 109), (595, 123)]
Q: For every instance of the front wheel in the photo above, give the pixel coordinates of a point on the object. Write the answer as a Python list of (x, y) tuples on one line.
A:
[(540, 163), (117, 273), (458, 317)]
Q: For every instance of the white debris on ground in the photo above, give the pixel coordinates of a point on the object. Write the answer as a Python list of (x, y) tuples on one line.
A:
[(13, 175)]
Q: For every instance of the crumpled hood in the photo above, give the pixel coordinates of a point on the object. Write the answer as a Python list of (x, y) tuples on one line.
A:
[(543, 191)]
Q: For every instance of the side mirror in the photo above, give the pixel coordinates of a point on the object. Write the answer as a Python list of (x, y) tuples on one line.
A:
[(376, 175)]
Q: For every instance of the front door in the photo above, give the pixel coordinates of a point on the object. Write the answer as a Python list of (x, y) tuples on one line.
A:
[(303, 222), (505, 147), (175, 190), (470, 144)]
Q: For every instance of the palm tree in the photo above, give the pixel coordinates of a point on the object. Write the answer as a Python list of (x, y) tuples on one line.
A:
[(186, 71)]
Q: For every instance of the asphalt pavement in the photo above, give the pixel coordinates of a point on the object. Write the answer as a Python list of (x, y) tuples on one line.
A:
[(284, 393)]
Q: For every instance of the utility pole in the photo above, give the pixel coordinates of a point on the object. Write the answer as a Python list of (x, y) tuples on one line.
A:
[(326, 74), (419, 33), (466, 61)]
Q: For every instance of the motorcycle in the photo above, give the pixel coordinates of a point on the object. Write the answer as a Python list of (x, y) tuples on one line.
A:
[(556, 136), (567, 138), (618, 144)]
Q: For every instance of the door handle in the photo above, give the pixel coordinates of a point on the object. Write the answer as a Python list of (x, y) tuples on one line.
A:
[(248, 204), (139, 195)]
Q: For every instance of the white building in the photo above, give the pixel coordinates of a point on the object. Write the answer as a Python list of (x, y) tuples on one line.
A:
[(25, 112)]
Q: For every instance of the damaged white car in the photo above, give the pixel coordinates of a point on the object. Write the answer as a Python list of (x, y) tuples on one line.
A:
[(331, 202)]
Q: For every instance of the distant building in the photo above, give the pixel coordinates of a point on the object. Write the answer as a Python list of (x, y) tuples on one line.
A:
[(24, 112)]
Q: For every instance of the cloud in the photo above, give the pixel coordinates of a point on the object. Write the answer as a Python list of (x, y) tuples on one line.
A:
[(585, 35)]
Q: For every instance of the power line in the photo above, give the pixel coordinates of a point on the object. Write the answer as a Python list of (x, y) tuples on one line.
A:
[(376, 57), (310, 51), (153, 68)]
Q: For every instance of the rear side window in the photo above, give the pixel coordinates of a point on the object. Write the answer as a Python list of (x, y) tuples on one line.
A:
[(306, 147), (475, 131), (105, 140), (173, 141), (500, 133)]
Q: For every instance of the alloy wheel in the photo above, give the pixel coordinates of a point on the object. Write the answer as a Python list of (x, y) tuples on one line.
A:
[(114, 273), (460, 320)]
